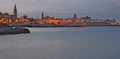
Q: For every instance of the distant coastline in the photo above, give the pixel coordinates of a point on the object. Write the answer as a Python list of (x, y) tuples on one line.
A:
[(48, 21)]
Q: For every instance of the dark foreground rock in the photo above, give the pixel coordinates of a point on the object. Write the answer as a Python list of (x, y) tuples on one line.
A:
[(6, 29)]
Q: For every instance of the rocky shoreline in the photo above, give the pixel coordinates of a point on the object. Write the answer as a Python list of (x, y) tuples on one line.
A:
[(6, 29)]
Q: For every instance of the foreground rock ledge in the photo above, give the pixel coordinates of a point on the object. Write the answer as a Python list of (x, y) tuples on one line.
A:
[(6, 29)]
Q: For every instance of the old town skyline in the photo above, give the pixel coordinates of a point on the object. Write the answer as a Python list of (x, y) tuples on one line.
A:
[(14, 20), (33, 8)]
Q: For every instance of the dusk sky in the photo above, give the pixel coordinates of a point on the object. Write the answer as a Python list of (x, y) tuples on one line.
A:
[(64, 8)]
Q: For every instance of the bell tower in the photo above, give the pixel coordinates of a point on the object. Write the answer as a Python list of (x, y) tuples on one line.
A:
[(15, 11), (42, 15)]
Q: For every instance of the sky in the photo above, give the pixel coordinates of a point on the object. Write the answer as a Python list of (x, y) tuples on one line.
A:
[(64, 8)]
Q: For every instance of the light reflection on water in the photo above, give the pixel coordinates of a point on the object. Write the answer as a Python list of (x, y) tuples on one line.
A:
[(62, 43)]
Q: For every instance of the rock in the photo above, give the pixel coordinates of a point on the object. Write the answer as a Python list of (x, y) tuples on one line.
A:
[(6, 29)]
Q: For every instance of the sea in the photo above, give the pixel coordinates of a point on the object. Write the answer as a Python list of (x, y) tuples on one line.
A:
[(101, 42)]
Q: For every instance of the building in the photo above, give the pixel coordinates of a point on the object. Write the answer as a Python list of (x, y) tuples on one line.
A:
[(15, 11), (42, 15), (75, 17), (8, 18)]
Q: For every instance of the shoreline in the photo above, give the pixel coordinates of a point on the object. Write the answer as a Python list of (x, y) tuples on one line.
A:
[(61, 25)]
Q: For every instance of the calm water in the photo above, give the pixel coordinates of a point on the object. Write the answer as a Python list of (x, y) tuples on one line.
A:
[(63, 43)]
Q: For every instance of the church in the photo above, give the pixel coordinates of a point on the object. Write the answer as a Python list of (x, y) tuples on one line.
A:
[(7, 15)]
